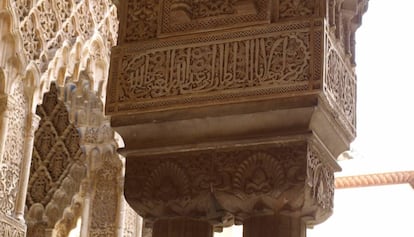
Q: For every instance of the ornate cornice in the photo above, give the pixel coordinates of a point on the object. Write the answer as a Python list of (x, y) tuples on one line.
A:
[(399, 177)]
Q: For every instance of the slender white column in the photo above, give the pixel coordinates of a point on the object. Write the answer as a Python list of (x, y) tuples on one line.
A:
[(31, 126)]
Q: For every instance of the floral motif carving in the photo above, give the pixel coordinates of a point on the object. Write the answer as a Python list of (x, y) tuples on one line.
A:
[(142, 19), (11, 230), (48, 22), (32, 41), (14, 145), (204, 8), (295, 8), (260, 173), (340, 86), (320, 179), (9, 177), (132, 222), (230, 180), (184, 16), (106, 198), (167, 182)]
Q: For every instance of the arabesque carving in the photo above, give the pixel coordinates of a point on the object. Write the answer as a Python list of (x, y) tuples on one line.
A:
[(294, 9), (11, 229), (340, 87), (150, 19), (320, 177), (264, 179), (14, 146), (264, 62)]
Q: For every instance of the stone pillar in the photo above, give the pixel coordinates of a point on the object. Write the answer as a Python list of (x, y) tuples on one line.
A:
[(274, 226), (234, 111), (182, 227), (32, 124)]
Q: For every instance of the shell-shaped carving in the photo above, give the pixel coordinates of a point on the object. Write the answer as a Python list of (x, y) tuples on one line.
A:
[(260, 173), (167, 182)]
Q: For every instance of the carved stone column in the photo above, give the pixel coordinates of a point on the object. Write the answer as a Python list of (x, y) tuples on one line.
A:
[(234, 111), (274, 226), (182, 227), (32, 124)]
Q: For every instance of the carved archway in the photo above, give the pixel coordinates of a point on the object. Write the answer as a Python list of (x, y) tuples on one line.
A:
[(67, 42)]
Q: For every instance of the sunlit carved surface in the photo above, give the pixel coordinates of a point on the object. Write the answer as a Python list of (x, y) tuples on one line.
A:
[(181, 56)]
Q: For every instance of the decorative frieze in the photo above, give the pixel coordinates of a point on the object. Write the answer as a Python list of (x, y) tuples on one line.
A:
[(221, 68), (147, 19)]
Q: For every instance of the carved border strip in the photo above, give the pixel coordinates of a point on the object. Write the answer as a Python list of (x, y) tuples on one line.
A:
[(212, 23), (121, 54)]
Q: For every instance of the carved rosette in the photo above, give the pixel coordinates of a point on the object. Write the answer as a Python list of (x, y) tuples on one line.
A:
[(224, 186)]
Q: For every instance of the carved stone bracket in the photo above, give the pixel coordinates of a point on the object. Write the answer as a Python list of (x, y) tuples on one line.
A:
[(227, 185)]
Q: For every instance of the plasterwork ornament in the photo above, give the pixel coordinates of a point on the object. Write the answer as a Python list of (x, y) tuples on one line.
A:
[(106, 198), (54, 152), (340, 87), (9, 228), (240, 182), (56, 170), (14, 145), (297, 9), (321, 179), (193, 72)]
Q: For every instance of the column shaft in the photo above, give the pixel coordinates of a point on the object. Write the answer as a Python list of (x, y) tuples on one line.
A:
[(274, 226), (182, 227)]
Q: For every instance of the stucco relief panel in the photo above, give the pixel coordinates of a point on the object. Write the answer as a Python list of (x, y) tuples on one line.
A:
[(14, 147), (242, 64)]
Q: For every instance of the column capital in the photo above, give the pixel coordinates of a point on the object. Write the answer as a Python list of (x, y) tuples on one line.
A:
[(229, 185)]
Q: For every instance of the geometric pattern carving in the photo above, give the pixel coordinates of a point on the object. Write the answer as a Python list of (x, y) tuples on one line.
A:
[(56, 148), (146, 19), (190, 16), (320, 179), (340, 87), (106, 198)]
